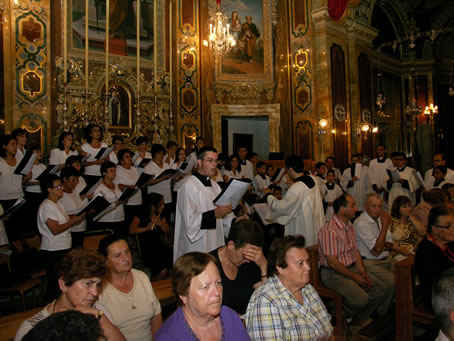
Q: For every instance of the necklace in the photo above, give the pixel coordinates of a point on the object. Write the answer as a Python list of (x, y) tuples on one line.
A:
[(449, 254)]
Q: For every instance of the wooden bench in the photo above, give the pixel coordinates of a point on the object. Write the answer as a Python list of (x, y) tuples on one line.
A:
[(164, 292), (10, 323), (323, 291), (409, 301)]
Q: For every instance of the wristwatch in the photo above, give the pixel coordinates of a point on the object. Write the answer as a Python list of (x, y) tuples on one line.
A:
[(100, 314)]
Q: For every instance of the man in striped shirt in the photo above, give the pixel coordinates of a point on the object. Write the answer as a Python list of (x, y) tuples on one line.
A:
[(342, 267)]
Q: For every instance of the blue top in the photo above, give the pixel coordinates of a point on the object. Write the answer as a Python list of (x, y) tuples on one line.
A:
[(176, 328)]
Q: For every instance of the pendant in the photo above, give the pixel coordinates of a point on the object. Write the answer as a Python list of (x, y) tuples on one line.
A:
[(133, 307)]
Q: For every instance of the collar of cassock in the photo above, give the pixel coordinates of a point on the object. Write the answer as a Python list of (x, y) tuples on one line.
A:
[(382, 160), (307, 180), (330, 186), (320, 176), (243, 162), (262, 176), (401, 169), (205, 180), (437, 182)]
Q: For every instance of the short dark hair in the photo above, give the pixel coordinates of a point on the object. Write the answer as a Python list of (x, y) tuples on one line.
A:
[(105, 166), (331, 171), (117, 138), (435, 196), (68, 171), (435, 213), (186, 268), (109, 240), (81, 263), (380, 145), (318, 165), (18, 132), (4, 141), (69, 325), (71, 159), (141, 139), (178, 152), (442, 169), (340, 201), (295, 162), (245, 232), (201, 153), (260, 164), (157, 148), (154, 200), (87, 132), (47, 182), (397, 204), (443, 300), (122, 152), (61, 138), (278, 252), (329, 158), (251, 155), (34, 148), (171, 144)]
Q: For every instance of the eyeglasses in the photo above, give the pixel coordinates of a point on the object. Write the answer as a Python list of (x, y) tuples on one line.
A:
[(447, 227), (58, 187)]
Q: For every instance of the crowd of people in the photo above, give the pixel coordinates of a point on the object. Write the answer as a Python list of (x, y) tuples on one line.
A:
[(226, 263)]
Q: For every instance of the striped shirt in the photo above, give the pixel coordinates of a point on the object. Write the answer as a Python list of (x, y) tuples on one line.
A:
[(274, 313), (337, 239)]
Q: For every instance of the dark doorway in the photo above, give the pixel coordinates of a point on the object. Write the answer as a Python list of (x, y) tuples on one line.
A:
[(244, 140)]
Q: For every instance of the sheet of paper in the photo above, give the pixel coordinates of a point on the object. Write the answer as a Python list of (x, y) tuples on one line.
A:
[(233, 193), (264, 212)]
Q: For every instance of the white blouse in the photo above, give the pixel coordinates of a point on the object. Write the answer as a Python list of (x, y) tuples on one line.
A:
[(129, 177), (116, 214), (93, 170), (55, 211), (36, 171), (163, 187), (58, 157), (72, 204), (10, 183)]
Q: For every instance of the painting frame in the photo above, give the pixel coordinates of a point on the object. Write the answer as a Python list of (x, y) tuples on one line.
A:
[(266, 36), (99, 56), (124, 94)]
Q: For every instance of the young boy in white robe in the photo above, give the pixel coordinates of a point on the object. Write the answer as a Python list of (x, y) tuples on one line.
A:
[(406, 185), (320, 171), (356, 183), (261, 180), (331, 191)]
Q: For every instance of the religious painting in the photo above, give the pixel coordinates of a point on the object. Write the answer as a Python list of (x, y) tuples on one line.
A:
[(123, 28), (119, 106), (250, 25)]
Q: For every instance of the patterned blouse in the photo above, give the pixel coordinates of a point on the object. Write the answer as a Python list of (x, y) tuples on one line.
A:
[(404, 235)]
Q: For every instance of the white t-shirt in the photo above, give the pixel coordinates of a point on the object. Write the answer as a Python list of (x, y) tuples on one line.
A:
[(239, 175), (72, 203), (55, 211), (116, 214), (129, 177), (58, 157), (113, 157), (162, 187), (10, 183), (132, 312), (139, 159), (36, 171), (19, 154), (93, 170), (81, 185)]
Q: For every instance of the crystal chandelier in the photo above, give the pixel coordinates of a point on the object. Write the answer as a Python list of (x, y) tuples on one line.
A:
[(220, 40), (413, 109)]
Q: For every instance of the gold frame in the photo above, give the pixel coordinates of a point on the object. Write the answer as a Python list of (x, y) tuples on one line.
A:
[(267, 75), (128, 92)]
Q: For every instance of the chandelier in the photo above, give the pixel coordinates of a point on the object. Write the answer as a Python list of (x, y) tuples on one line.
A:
[(413, 109), (381, 99), (220, 40)]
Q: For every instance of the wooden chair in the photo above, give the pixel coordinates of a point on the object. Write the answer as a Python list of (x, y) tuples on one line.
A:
[(164, 292), (92, 238), (10, 323), (323, 291), (409, 301)]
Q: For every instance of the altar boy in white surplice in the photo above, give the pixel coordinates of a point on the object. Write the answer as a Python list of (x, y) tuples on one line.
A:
[(355, 181), (407, 184)]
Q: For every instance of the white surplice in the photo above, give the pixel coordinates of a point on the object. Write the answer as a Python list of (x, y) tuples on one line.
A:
[(329, 195), (300, 210), (397, 189), (193, 200), (360, 187), (429, 178)]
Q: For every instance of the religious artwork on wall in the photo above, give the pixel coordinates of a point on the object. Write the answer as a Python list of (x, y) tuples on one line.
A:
[(123, 31), (250, 59), (119, 107)]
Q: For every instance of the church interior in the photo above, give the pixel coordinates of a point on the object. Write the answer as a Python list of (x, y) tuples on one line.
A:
[(315, 78)]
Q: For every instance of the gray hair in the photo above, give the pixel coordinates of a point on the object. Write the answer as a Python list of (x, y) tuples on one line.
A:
[(443, 300)]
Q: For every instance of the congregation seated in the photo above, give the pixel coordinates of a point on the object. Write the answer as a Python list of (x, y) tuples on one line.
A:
[(80, 273), (435, 253), (287, 307), (242, 264), (128, 293), (197, 284)]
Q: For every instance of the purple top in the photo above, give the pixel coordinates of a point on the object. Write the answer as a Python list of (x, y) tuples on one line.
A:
[(175, 328)]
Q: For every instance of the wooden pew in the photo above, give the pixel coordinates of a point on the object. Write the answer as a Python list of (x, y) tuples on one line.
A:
[(164, 292), (409, 301), (323, 291), (10, 323)]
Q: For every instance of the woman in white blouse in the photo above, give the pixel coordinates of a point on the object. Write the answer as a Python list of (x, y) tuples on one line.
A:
[(113, 219), (93, 135), (10, 183), (54, 226), (74, 161), (65, 149), (233, 169), (127, 177), (142, 145), (117, 145)]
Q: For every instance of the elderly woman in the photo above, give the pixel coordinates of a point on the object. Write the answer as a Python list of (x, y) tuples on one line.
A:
[(196, 282), (287, 307), (80, 273), (242, 264), (127, 292), (406, 230), (435, 253)]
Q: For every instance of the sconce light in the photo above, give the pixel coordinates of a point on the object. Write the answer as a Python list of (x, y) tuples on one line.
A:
[(322, 125)]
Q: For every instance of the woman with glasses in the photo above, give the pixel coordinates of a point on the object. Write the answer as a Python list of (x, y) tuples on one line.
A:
[(54, 225), (435, 253)]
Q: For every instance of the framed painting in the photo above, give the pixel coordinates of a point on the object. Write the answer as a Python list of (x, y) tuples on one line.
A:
[(123, 34), (119, 107), (251, 27)]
